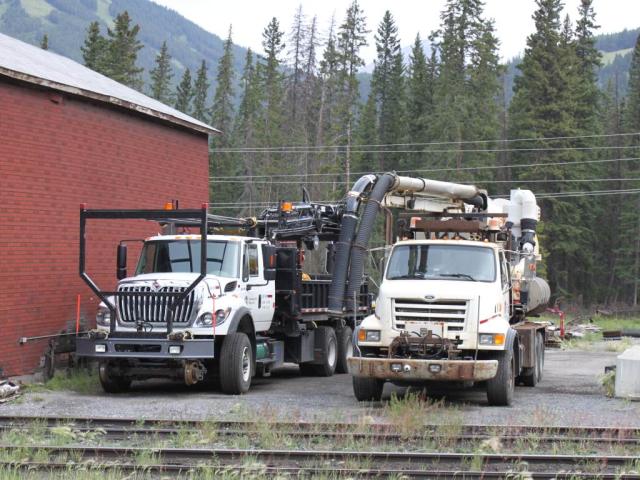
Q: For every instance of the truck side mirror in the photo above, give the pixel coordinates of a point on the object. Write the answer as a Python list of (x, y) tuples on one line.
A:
[(269, 262), (121, 271)]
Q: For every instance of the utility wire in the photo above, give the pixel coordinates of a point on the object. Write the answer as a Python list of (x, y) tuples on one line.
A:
[(308, 148), (425, 170), (455, 150), (315, 182)]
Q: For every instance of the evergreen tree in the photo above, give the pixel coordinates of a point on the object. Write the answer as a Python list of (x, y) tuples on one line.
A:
[(588, 62), (200, 90), (245, 132), (123, 52), (420, 80), (545, 105), (95, 49), (367, 134), (388, 87), (222, 163), (184, 93), (296, 53), (352, 36), (632, 113), (44, 43), (161, 76), (222, 109)]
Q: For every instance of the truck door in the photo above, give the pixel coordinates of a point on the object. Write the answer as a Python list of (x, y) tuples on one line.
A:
[(506, 287), (259, 294)]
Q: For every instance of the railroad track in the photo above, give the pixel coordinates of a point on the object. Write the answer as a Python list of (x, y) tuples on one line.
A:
[(399, 459), (123, 426), (410, 464)]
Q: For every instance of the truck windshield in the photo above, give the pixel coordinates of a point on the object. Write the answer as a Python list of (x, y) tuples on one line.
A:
[(442, 262), (184, 256)]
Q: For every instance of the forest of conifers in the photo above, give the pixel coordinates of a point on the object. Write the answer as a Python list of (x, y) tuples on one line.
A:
[(296, 119)]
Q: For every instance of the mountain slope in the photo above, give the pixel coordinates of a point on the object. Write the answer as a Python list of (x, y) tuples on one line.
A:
[(65, 22)]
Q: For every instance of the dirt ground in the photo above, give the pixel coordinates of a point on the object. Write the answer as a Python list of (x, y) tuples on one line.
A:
[(569, 394)]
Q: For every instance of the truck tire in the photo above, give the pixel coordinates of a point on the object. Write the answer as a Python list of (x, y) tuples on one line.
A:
[(236, 364), (500, 388), (111, 381), (533, 375), (367, 389), (327, 343), (345, 349)]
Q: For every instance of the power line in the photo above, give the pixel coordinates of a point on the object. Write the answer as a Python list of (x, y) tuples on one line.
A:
[(425, 170), (457, 150), (582, 180), (308, 148)]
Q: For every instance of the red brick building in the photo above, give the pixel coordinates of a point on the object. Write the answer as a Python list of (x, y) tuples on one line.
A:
[(68, 136)]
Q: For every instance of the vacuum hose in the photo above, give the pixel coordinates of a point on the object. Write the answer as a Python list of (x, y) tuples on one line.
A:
[(342, 248), (359, 247)]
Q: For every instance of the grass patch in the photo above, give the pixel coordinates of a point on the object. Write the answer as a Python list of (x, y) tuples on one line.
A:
[(616, 323), (608, 381), (79, 381)]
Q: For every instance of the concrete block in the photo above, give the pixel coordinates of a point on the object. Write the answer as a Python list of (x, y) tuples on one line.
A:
[(628, 374)]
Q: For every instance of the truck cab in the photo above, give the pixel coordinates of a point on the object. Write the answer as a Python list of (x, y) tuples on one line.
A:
[(234, 284)]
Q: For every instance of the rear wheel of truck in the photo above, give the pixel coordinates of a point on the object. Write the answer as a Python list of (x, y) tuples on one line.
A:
[(534, 374), (367, 389), (345, 349), (236, 360), (327, 345), (111, 379), (500, 388)]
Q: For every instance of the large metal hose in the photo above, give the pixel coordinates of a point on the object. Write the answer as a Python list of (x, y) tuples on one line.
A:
[(343, 246), (359, 247)]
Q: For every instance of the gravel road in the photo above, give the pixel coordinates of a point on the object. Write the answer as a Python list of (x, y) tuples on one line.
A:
[(569, 394)]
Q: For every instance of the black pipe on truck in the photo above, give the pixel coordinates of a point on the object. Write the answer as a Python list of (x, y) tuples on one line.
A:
[(359, 246), (342, 247)]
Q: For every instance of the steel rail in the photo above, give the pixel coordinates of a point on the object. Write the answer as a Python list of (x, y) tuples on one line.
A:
[(124, 433), (223, 455), (473, 429), (271, 471)]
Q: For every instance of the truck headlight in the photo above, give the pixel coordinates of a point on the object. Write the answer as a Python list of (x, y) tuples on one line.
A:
[(206, 319), (368, 335), (492, 339), (103, 317)]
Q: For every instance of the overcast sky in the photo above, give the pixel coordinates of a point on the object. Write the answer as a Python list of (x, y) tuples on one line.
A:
[(512, 17)]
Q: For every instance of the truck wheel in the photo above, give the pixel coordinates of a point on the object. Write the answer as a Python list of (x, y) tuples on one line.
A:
[(500, 388), (236, 364), (111, 381), (367, 389), (345, 349), (534, 374), (327, 343)]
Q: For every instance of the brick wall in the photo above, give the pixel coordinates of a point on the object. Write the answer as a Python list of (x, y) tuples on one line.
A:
[(57, 151)]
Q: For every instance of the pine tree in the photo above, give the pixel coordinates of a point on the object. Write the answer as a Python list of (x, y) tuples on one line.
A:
[(367, 134), (632, 113), (123, 52), (296, 53), (95, 49), (352, 36), (200, 91), (245, 133), (222, 108), (388, 87), (184, 93), (420, 81), (161, 76), (223, 163), (44, 43)]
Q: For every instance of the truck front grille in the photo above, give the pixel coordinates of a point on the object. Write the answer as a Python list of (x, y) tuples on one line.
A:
[(154, 308), (451, 312)]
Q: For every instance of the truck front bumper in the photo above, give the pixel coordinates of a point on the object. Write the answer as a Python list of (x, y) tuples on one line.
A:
[(152, 348), (409, 369)]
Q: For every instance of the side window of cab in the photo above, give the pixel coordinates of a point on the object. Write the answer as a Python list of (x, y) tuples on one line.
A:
[(504, 271)]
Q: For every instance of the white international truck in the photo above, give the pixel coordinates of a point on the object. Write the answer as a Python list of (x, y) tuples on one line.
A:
[(225, 303), (458, 285)]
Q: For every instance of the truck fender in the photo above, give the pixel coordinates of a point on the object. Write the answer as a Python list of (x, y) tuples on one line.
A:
[(236, 316)]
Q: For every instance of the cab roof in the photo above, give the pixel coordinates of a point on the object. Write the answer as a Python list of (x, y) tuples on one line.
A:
[(470, 243), (188, 236)]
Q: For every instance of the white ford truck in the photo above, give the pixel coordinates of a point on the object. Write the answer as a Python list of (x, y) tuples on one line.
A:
[(458, 285)]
